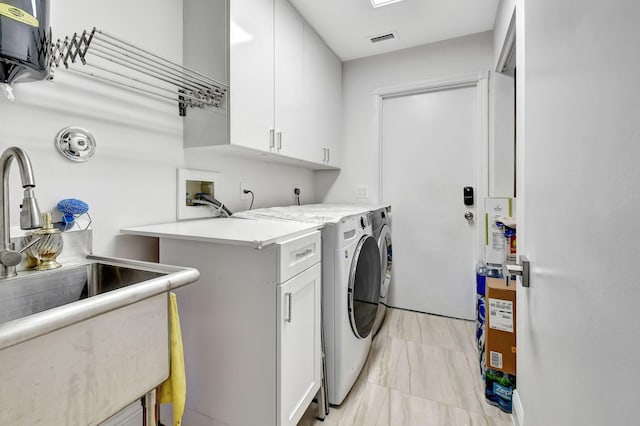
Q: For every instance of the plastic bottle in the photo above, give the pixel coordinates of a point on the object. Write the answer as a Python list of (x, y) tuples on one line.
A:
[(481, 286), (510, 246), (499, 388), (494, 273), (481, 282)]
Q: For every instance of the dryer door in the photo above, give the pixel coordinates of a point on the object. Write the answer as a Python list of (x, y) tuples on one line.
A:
[(364, 286), (386, 260)]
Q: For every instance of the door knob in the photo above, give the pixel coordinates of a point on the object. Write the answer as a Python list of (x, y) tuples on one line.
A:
[(468, 215), (523, 270)]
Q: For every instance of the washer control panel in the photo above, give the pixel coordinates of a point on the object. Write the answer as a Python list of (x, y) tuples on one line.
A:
[(365, 220)]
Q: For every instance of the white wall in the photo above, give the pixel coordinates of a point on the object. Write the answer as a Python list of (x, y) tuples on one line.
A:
[(578, 109), (132, 179), (502, 128), (271, 183), (361, 77), (502, 135)]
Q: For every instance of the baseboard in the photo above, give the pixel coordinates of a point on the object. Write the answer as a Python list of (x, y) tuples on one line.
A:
[(518, 411)]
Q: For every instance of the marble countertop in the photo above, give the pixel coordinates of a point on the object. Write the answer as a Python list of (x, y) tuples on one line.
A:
[(310, 213)]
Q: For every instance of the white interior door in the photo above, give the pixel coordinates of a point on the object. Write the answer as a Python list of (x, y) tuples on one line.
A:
[(577, 129), (429, 153)]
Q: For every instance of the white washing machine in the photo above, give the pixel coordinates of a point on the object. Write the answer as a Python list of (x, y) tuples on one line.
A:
[(351, 292), (350, 286)]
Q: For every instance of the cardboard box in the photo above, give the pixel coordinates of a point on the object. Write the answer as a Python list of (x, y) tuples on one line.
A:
[(500, 305)]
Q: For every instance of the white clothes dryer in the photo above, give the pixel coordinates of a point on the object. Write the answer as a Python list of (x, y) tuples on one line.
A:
[(381, 227)]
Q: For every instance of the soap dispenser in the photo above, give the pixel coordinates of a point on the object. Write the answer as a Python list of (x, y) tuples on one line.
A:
[(48, 246)]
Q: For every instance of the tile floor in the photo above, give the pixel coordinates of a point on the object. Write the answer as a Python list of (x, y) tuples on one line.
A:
[(422, 370)]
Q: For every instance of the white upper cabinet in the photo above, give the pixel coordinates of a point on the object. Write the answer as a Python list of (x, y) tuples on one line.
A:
[(289, 96), (308, 90), (285, 84), (322, 102), (251, 66)]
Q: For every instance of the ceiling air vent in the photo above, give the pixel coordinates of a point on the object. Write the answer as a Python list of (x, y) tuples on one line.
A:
[(383, 37)]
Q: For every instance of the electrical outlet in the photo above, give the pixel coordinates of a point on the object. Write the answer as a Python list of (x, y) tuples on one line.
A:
[(362, 191), (293, 190), (243, 196)]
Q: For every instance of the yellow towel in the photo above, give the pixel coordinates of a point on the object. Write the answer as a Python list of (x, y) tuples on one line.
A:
[(174, 389)]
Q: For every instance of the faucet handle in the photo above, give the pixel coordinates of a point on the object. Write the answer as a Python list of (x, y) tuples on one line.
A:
[(10, 258)]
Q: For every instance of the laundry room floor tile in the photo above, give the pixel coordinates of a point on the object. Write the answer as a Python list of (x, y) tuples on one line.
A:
[(421, 370)]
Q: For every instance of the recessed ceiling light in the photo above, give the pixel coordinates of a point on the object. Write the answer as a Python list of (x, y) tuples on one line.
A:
[(379, 3)]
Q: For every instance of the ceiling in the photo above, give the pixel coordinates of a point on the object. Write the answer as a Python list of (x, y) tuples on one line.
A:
[(347, 25)]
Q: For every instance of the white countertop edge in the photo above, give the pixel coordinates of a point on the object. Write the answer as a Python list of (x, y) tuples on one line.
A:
[(256, 244)]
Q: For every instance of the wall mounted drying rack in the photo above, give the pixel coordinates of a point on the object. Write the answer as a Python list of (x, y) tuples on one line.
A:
[(126, 65)]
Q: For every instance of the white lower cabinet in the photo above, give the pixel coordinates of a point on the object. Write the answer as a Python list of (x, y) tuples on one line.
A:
[(299, 362), (250, 329)]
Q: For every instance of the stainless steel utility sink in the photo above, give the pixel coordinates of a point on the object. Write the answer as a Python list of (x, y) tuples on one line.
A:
[(79, 343), (29, 294)]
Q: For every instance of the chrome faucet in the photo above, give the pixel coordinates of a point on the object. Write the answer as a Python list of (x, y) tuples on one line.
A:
[(29, 211)]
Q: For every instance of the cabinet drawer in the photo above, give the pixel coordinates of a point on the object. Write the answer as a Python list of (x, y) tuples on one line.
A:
[(298, 254)]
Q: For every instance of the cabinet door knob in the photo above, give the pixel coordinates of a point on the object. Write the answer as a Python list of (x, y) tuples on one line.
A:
[(272, 138), (328, 154), (324, 155), (279, 141)]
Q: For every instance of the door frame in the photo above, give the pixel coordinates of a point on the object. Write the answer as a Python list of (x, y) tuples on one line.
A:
[(480, 81)]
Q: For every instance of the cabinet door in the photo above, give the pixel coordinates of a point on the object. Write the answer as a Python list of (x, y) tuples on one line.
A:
[(332, 105), (289, 96), (323, 100), (299, 352), (251, 73)]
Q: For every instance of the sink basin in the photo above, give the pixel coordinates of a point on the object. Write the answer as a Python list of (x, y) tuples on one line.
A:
[(79, 343), (30, 294)]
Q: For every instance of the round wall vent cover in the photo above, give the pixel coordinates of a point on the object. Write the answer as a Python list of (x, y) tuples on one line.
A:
[(76, 144)]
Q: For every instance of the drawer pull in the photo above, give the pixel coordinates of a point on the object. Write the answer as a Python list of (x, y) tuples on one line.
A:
[(288, 297), (304, 253)]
